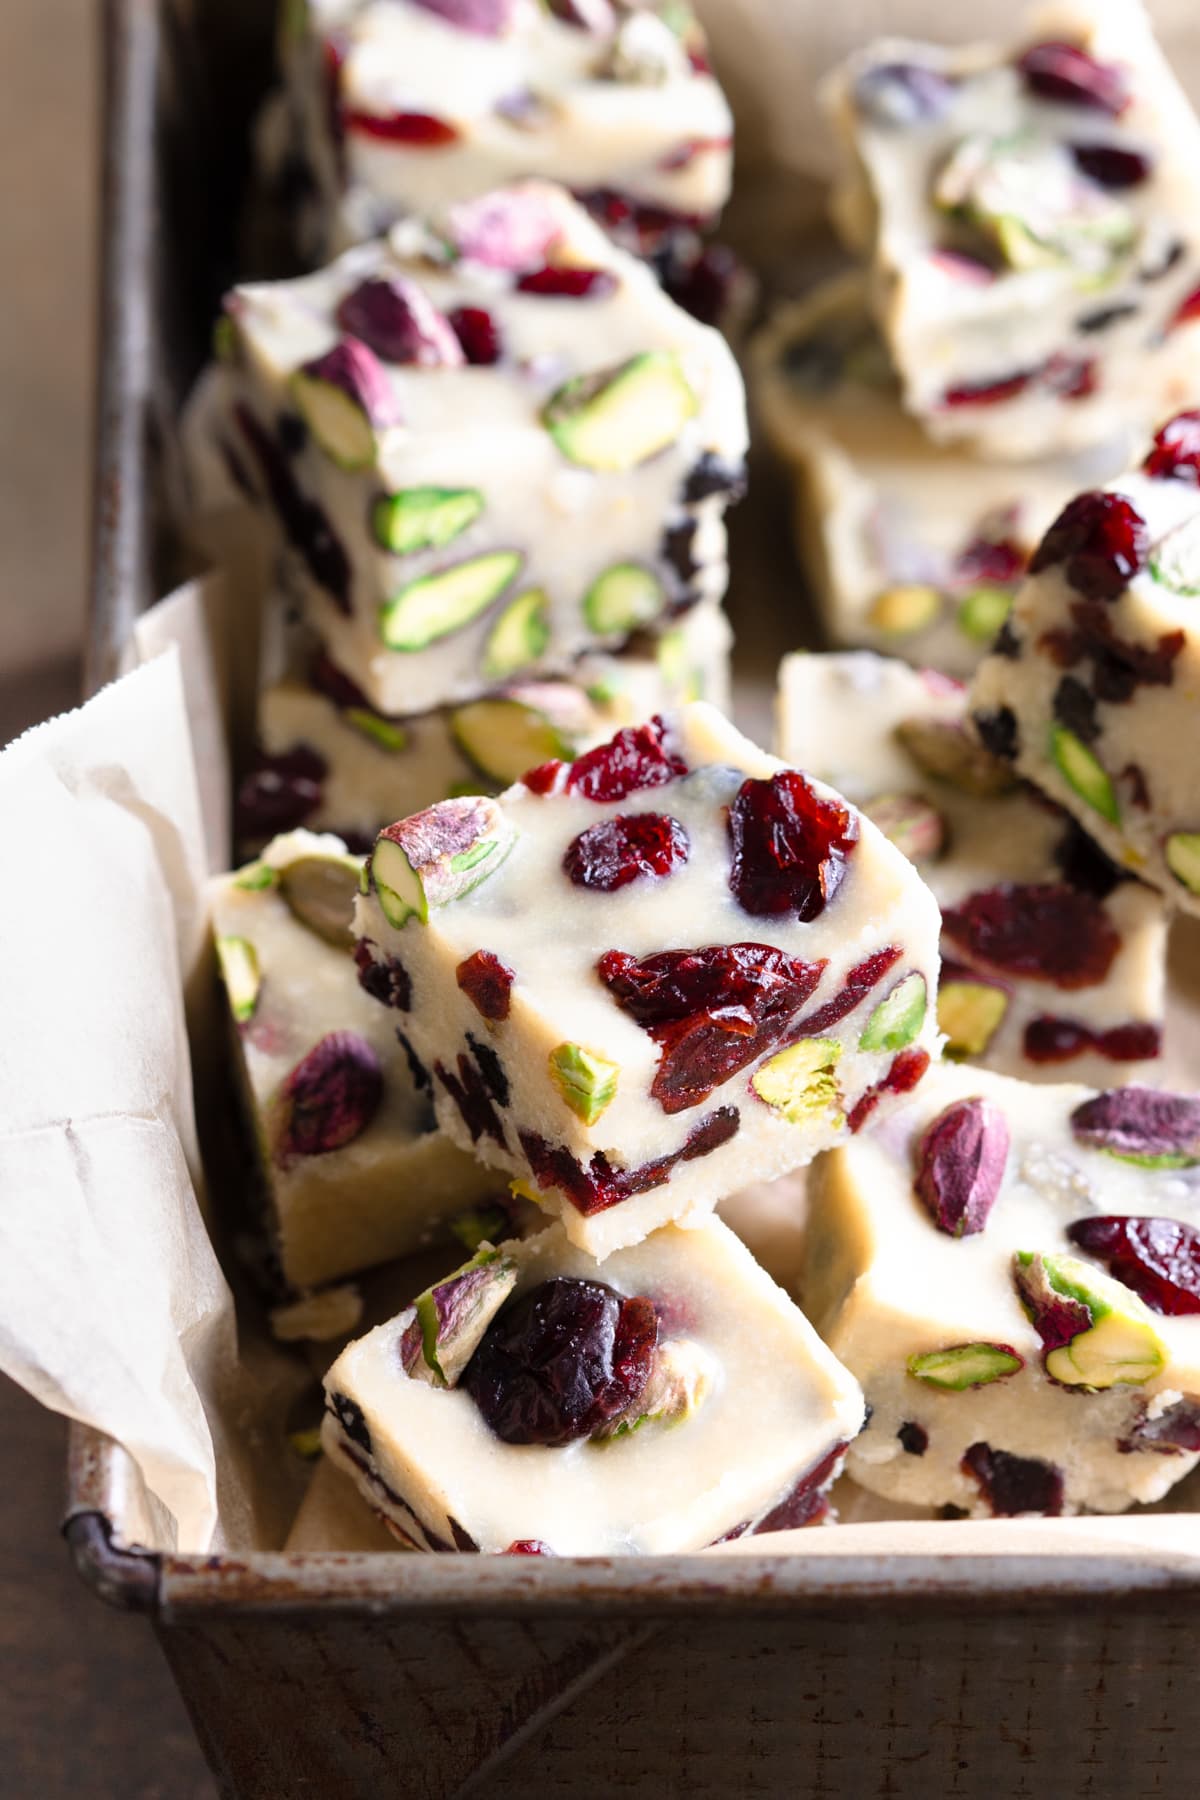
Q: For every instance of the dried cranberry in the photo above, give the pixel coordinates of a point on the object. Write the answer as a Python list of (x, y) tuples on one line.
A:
[(1176, 452), (418, 130), (1075, 707), (1050, 1040), (292, 433), (305, 524), (1007, 643), (1012, 1485), (329, 1098), (997, 728), (491, 1069), (544, 778), (1101, 318), (325, 677), (807, 1501), (997, 560), (635, 758), (567, 281), (1083, 864), (1187, 310), (418, 1073), (280, 792), (1112, 165), (600, 1185), (561, 1361), (1119, 666), (487, 983), (528, 1547), (349, 1415), (479, 335), (1064, 73), (790, 846), (1158, 1258), (678, 548), (383, 976), (713, 1010), (470, 1094), (988, 393), (857, 985), (1071, 377), (617, 851), (1134, 777), (704, 283), (713, 475), (1174, 1432), (1044, 931), (902, 94), (1101, 538), (914, 1439), (903, 1075)]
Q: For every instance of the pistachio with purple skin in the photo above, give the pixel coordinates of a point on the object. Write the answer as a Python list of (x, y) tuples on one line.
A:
[(346, 400), (437, 856), (486, 18), (396, 319), (450, 1318), (961, 1157), (514, 228), (1095, 1332), (328, 1099), (1141, 1125)]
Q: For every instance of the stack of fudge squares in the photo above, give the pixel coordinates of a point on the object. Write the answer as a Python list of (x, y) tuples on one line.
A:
[(538, 960)]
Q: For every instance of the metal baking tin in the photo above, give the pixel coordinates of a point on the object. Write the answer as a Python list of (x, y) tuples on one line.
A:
[(875, 1666)]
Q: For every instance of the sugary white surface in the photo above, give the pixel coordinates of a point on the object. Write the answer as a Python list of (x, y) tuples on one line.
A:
[(878, 502), (368, 785), (540, 99), (480, 427), (946, 331), (882, 1283), (779, 1402), (838, 717), (383, 1194), (1154, 731), (551, 933)]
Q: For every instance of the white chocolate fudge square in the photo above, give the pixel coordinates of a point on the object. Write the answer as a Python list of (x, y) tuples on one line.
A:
[(1093, 688), (910, 547), (1053, 961), (672, 1398), (647, 978), (351, 770), (1030, 214), (1001, 1267), (353, 1170), (491, 443), (400, 106)]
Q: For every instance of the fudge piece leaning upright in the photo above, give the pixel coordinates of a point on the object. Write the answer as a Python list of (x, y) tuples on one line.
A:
[(351, 1166), (1013, 1273), (490, 440), (399, 106), (329, 761), (1032, 215), (1093, 687), (1053, 960), (525, 1405), (646, 978), (910, 547)]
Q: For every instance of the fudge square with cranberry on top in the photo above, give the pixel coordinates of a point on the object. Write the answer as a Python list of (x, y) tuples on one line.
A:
[(615, 100), (643, 979), (1053, 960), (1093, 687), (489, 443), (1013, 1273), (1032, 215), (526, 1404)]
